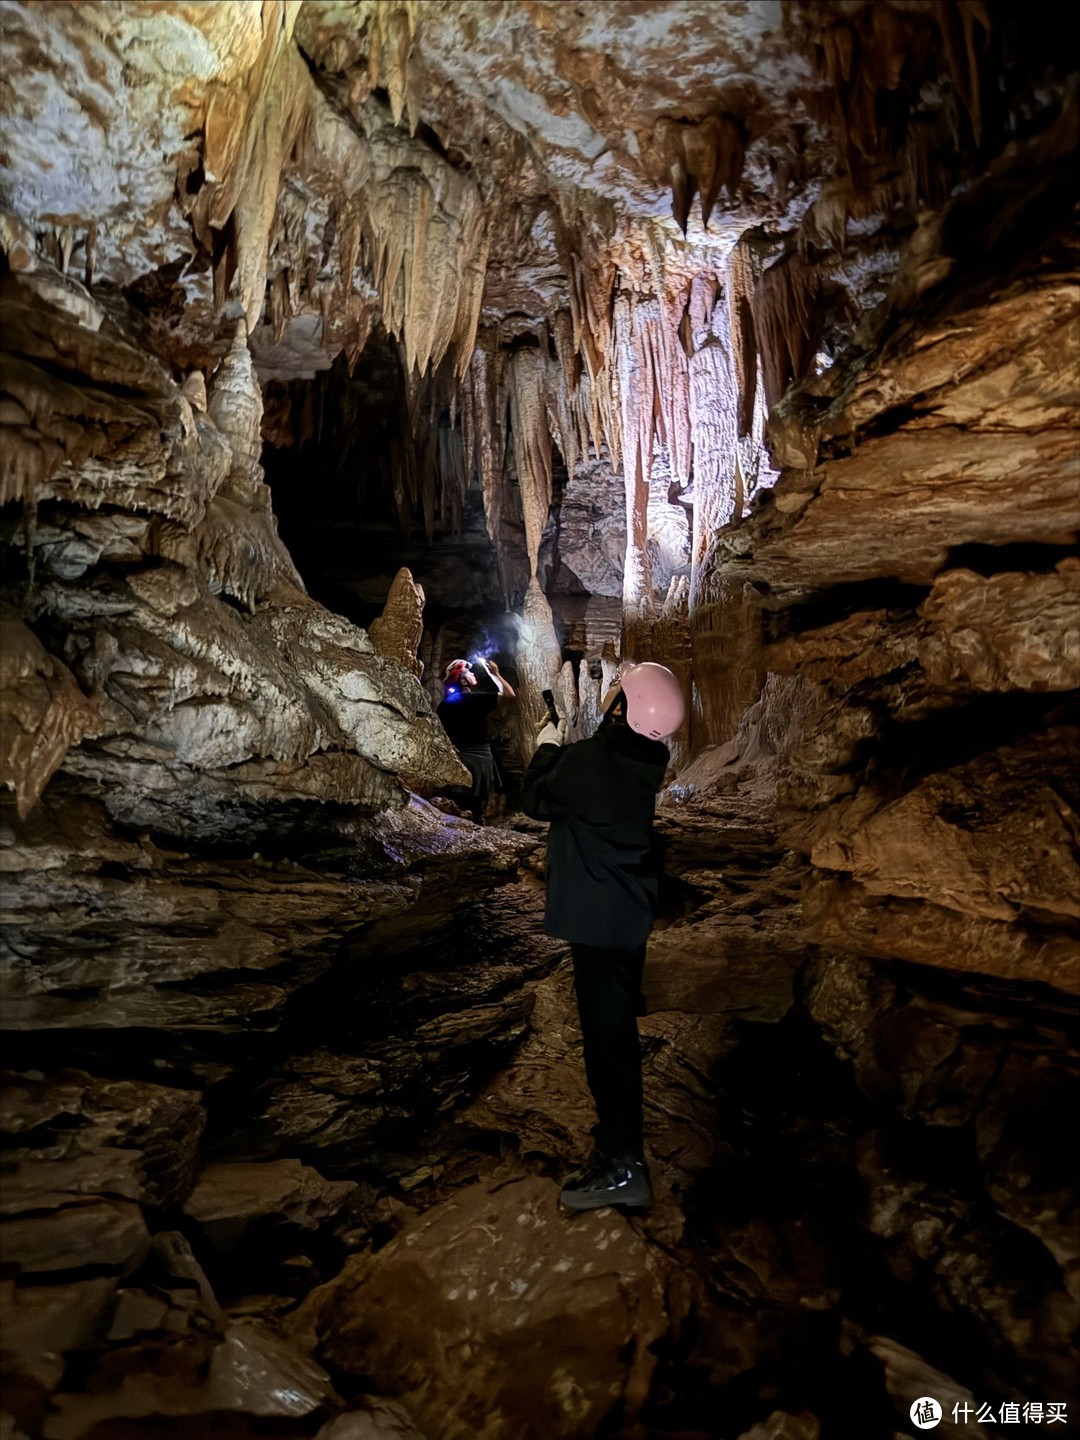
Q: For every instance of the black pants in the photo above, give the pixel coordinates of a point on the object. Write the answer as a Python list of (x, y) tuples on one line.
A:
[(608, 986), (480, 764)]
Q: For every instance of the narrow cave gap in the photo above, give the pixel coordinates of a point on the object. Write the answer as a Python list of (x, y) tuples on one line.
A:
[(620, 347)]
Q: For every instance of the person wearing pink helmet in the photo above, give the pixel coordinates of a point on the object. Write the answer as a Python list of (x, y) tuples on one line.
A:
[(599, 796)]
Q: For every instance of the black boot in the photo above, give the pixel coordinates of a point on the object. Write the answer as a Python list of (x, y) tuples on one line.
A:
[(607, 1180)]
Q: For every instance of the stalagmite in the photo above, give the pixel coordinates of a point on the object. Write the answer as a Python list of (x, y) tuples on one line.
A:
[(397, 631), (235, 407), (539, 665), (237, 540)]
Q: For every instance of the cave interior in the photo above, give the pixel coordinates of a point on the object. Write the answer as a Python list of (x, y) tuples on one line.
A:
[(342, 338)]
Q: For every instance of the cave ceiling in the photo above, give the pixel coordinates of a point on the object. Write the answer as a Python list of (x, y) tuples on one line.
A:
[(200, 152)]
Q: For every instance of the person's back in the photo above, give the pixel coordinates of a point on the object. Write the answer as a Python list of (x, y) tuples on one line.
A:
[(599, 796), (464, 717)]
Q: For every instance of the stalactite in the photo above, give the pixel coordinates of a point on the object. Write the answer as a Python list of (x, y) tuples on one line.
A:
[(877, 60), (755, 467), (957, 19), (786, 321), (706, 157), (714, 407), (415, 221), (485, 399), (453, 480), (669, 140), (424, 232), (673, 374), (249, 129), (636, 391), (349, 235), (280, 304), (279, 113), (562, 416), (565, 691), (562, 330), (744, 269), (391, 61), (527, 380), (590, 270)]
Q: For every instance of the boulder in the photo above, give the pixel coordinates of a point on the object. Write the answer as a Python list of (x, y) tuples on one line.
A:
[(992, 838), (908, 1377), (493, 1316), (232, 1201), (843, 915), (245, 1372), (42, 1323), (781, 1425), (100, 1235)]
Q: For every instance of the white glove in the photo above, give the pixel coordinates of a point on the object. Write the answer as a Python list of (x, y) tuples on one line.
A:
[(552, 734)]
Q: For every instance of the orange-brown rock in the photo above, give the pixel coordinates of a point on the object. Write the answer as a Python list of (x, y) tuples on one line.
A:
[(42, 712), (1010, 631)]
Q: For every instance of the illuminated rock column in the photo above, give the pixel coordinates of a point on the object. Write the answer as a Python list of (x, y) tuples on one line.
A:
[(724, 621), (538, 656), (636, 386)]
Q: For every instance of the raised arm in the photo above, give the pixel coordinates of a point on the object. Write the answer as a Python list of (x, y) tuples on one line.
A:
[(506, 690), (547, 790)]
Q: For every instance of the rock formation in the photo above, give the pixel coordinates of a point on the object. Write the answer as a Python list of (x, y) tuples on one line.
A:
[(343, 339)]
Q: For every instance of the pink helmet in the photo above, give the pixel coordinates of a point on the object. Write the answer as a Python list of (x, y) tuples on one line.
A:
[(654, 700)]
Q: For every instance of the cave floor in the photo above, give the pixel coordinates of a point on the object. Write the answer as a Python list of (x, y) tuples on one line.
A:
[(376, 1214)]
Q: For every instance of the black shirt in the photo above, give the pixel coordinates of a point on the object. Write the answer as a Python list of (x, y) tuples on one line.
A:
[(600, 794), (464, 717)]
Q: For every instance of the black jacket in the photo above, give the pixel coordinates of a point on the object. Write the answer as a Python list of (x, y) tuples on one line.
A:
[(465, 717), (599, 795)]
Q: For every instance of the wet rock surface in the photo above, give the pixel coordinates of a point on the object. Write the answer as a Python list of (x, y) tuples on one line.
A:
[(844, 1166)]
